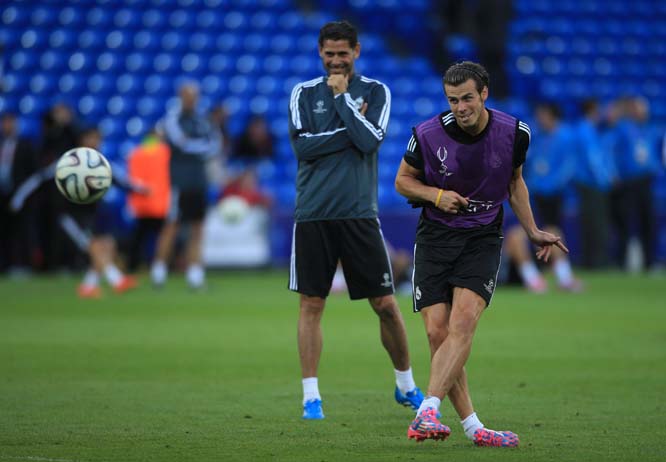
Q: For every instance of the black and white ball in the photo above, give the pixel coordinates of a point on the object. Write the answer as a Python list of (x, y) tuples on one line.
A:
[(83, 175)]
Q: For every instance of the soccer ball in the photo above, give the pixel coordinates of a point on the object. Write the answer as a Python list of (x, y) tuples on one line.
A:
[(83, 175), (233, 209)]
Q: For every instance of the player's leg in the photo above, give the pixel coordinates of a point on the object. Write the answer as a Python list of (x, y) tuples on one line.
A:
[(193, 212), (165, 241), (313, 261), (367, 267), (436, 320)]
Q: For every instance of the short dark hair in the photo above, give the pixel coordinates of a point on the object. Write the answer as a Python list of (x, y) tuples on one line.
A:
[(461, 72), (338, 30), (551, 107)]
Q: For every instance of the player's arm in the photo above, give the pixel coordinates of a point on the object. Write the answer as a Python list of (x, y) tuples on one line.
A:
[(366, 126), (307, 143), (30, 185), (201, 146), (124, 182), (409, 183)]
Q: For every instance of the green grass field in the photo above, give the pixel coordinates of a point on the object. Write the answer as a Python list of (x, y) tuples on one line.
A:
[(180, 376)]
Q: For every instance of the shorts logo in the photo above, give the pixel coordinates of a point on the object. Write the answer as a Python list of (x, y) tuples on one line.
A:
[(490, 286), (417, 293), (387, 281)]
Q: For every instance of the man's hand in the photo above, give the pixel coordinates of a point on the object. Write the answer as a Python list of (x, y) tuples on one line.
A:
[(338, 83), (451, 202), (545, 242)]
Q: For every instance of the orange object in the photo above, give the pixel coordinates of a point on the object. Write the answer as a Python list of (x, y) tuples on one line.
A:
[(125, 284), (148, 165)]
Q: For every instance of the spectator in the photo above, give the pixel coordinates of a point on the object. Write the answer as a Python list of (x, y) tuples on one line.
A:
[(17, 231), (256, 142)]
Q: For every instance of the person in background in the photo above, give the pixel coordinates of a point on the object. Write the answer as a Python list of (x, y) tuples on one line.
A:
[(148, 164), (593, 177), (60, 133), (18, 238), (88, 226), (636, 153), (192, 142), (548, 175)]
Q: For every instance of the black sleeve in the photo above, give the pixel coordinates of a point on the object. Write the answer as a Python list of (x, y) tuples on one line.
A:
[(413, 155), (521, 144)]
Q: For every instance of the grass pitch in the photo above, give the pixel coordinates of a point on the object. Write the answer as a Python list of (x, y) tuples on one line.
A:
[(178, 376)]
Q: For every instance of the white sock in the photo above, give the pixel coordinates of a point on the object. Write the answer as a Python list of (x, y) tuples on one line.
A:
[(470, 425), (310, 389), (158, 272), (563, 273), (529, 272), (91, 278), (195, 275), (404, 380), (429, 401), (113, 274)]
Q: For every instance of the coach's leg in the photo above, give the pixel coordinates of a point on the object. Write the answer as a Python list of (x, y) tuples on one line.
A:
[(392, 330), (436, 320), (309, 334)]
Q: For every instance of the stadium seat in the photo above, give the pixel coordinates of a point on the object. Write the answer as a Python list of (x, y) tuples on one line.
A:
[(101, 83), (220, 64), (154, 19), (63, 39), (164, 63), (126, 18), (15, 16), (235, 21), (207, 19), (227, 43), (274, 64), (282, 44), (71, 17), (99, 18), (93, 39), (72, 83), (138, 62), (182, 19), (118, 40), (129, 84), (247, 64), (91, 107), (149, 107), (201, 42), (147, 41)]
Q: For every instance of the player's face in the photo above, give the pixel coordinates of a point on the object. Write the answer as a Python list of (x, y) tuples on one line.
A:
[(338, 56), (468, 106)]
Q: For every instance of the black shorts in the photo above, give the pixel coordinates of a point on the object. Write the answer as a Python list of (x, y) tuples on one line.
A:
[(358, 244), (187, 205), (548, 210), (469, 261)]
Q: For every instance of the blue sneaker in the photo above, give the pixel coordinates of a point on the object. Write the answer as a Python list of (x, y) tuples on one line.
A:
[(411, 399), (312, 410)]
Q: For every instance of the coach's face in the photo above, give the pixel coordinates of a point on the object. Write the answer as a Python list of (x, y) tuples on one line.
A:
[(468, 106), (338, 56)]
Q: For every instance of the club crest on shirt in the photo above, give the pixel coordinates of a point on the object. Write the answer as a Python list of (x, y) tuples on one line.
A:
[(442, 154), (359, 102), (320, 109)]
